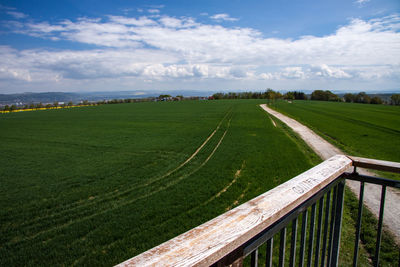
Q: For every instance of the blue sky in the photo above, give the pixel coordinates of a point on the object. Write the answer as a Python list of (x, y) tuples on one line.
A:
[(232, 45)]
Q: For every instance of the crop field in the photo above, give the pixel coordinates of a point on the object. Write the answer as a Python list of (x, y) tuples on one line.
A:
[(98, 185), (359, 129)]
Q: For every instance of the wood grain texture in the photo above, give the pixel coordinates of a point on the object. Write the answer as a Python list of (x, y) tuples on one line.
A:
[(375, 164), (211, 241)]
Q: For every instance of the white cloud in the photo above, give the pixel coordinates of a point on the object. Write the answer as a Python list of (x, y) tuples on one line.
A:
[(223, 17), (361, 2), (153, 11), (181, 49), (141, 21), (329, 72), (17, 15)]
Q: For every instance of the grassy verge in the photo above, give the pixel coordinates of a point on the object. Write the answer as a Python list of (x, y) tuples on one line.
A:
[(389, 250), (349, 219)]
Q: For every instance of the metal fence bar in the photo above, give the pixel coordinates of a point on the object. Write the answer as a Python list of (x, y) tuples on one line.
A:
[(358, 226), (319, 231), (311, 235), (379, 236), (372, 179), (262, 237), (338, 224), (325, 238), (303, 238), (254, 258), (270, 246), (332, 226), (282, 245), (292, 261)]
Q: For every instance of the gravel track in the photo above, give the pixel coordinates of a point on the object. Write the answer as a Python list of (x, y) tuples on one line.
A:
[(372, 193)]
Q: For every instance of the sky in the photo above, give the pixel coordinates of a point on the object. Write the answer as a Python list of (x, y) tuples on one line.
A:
[(207, 45)]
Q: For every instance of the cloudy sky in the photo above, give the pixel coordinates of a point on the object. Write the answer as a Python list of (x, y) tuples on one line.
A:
[(213, 45)]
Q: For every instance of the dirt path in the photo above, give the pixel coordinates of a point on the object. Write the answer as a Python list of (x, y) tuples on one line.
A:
[(372, 193)]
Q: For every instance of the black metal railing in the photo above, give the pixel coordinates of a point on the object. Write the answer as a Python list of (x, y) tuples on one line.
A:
[(306, 212), (324, 228)]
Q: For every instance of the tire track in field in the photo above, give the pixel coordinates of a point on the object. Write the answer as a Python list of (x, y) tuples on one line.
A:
[(239, 198), (119, 203), (109, 196), (236, 176), (81, 201)]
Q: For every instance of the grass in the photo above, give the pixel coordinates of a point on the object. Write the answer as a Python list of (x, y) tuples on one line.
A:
[(98, 185), (361, 130), (348, 224)]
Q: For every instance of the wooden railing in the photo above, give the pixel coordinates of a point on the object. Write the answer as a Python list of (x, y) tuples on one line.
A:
[(228, 238)]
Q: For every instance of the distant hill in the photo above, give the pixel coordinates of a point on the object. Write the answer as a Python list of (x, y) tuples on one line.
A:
[(50, 97)]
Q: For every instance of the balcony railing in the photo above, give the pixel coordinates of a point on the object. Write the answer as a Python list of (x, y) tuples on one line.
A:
[(229, 238)]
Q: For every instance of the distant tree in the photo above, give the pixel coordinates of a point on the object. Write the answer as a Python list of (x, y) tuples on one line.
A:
[(395, 99), (12, 108), (362, 97), (349, 97), (217, 96), (376, 100), (40, 105), (294, 95), (48, 106), (164, 97), (31, 106), (299, 95), (85, 102), (289, 96), (6, 108), (324, 96), (55, 104), (70, 104)]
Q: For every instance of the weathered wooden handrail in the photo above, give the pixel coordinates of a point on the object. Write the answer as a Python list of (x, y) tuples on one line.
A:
[(231, 236), (211, 241), (380, 165)]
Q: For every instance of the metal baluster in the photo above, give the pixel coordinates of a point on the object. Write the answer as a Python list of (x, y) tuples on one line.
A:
[(293, 245), (358, 227), (325, 238), (378, 238), (254, 258), (303, 238), (282, 246), (311, 236), (338, 224), (319, 230), (332, 226), (270, 246)]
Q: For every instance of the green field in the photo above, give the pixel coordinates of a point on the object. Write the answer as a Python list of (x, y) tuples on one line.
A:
[(98, 185), (361, 130)]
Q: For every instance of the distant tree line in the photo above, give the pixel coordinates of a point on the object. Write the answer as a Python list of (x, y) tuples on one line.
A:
[(55, 105), (270, 94), (319, 95), (362, 97)]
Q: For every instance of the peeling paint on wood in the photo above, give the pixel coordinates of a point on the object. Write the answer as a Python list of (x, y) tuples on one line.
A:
[(380, 165), (211, 241)]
